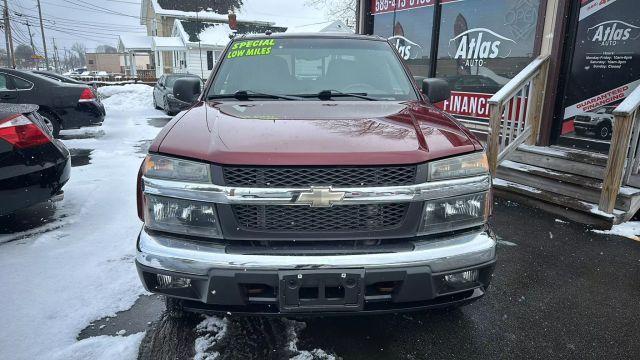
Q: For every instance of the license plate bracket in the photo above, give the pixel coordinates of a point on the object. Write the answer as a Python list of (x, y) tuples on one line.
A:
[(321, 290)]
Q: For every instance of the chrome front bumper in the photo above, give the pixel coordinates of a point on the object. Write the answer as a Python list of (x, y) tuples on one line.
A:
[(173, 254)]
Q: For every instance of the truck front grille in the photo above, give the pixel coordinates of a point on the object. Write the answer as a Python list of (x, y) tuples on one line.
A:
[(327, 176), (300, 219)]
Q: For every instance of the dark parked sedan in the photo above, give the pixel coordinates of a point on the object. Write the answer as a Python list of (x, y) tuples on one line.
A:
[(64, 105), (33, 165), (163, 98), (58, 77)]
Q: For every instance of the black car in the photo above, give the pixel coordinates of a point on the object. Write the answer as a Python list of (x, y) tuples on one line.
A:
[(64, 105), (163, 98), (58, 77), (33, 165)]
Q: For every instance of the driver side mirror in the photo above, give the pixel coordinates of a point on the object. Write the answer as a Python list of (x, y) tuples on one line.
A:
[(437, 90), (187, 89)]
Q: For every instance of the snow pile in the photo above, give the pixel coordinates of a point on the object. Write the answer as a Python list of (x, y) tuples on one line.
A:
[(131, 97), (102, 348), (629, 230), (292, 334), (56, 283), (217, 35), (210, 331)]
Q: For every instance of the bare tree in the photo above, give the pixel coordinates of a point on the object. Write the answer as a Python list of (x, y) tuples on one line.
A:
[(344, 10), (81, 50), (106, 49), (23, 55)]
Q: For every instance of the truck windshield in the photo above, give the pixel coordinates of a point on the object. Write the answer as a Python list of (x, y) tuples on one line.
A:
[(316, 68)]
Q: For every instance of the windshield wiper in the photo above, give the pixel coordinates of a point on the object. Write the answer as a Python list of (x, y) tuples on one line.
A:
[(249, 94), (328, 94)]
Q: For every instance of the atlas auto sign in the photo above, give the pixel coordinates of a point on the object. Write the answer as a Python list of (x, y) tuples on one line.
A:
[(609, 33), (407, 48), (475, 46)]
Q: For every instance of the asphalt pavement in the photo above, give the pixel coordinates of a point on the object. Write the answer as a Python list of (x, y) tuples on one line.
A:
[(559, 291)]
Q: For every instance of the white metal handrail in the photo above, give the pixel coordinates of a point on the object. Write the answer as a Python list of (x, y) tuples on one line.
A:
[(515, 112), (624, 151)]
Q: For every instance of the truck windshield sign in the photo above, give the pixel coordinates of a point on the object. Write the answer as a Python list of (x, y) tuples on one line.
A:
[(251, 48)]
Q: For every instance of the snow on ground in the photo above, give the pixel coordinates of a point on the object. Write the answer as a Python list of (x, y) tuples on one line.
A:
[(293, 327), (56, 283), (102, 348), (209, 331), (629, 229)]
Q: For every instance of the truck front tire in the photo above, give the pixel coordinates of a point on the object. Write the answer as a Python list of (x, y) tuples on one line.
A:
[(174, 307)]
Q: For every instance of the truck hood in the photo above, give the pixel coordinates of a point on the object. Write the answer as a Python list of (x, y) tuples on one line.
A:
[(314, 133)]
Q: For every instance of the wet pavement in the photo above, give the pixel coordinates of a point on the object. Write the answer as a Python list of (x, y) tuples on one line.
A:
[(159, 121), (80, 157), (559, 291), (144, 312)]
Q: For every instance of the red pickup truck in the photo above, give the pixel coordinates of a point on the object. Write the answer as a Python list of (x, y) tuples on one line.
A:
[(313, 176)]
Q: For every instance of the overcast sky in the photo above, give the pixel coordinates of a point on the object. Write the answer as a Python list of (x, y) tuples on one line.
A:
[(97, 22)]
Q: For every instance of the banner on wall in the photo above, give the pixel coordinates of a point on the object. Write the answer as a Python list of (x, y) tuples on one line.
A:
[(606, 60), (476, 105)]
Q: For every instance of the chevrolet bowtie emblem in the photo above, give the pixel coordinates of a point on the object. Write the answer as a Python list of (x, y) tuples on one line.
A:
[(320, 197)]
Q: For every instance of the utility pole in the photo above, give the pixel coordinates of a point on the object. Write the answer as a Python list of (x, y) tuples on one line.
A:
[(7, 31), (56, 59), (33, 47), (44, 43), (7, 25)]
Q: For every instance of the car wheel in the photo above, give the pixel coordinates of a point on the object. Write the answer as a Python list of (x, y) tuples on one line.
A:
[(174, 307), (52, 122), (167, 109), (603, 131), (155, 103)]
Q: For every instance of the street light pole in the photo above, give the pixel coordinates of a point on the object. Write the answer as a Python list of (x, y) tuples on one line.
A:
[(44, 42)]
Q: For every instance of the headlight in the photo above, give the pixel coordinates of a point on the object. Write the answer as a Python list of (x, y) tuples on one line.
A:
[(455, 213), (179, 216), (459, 166), (168, 168)]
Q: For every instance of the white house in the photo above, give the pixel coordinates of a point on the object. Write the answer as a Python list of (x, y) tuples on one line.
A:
[(203, 44), (188, 35), (130, 45)]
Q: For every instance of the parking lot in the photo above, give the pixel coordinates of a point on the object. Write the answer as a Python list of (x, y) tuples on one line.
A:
[(559, 290)]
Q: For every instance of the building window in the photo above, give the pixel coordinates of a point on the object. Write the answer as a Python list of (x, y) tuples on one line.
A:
[(408, 25), (90, 62), (210, 60), (482, 44)]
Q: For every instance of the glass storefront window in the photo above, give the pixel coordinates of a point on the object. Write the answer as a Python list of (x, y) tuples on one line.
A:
[(483, 44), (408, 24)]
